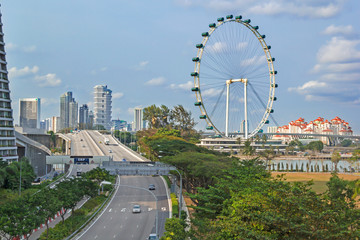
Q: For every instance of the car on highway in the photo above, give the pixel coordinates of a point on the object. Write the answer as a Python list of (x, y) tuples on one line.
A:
[(124, 160), (136, 208), (151, 186), (110, 151), (81, 139), (153, 236)]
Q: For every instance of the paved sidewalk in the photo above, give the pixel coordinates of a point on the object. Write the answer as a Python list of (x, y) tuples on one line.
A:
[(37, 232)]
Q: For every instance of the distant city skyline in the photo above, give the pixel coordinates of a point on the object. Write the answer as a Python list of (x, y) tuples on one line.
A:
[(316, 45)]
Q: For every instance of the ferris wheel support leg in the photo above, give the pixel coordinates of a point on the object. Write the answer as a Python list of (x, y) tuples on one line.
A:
[(227, 109), (245, 110)]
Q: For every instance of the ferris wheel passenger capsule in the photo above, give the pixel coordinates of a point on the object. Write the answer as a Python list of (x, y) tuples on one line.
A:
[(212, 25), (220, 19), (229, 16)]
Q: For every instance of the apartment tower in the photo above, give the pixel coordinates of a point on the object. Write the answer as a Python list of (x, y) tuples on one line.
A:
[(102, 106), (8, 149), (139, 123), (29, 112)]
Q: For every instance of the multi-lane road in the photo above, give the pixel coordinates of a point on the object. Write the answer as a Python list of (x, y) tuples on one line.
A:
[(117, 220)]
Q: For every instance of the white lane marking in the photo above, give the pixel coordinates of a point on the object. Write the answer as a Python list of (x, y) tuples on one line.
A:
[(96, 236), (137, 226), (163, 209), (104, 227), (123, 209), (149, 209), (110, 209), (117, 189), (168, 196), (114, 236)]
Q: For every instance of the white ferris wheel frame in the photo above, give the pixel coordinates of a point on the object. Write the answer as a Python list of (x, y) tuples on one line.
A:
[(272, 74)]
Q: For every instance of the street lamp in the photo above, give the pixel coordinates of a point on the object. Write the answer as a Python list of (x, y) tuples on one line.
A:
[(20, 178)]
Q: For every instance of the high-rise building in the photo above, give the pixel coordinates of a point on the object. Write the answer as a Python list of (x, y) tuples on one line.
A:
[(68, 111), (73, 114), (102, 106), (139, 123), (84, 121), (91, 119), (55, 124), (29, 112), (119, 124), (8, 149)]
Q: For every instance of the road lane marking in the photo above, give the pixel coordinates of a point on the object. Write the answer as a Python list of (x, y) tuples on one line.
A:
[(96, 236), (149, 209), (110, 209), (163, 209), (123, 209), (114, 236)]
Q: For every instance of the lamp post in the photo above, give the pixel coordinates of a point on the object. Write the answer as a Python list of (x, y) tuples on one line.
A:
[(20, 178)]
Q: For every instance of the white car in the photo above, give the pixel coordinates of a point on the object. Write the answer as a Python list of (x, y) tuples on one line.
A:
[(136, 209)]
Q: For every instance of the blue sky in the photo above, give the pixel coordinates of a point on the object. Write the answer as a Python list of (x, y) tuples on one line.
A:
[(142, 50)]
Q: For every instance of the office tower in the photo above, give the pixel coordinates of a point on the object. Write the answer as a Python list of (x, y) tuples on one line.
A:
[(68, 111), (73, 114), (8, 149), (102, 106), (91, 120), (29, 112), (84, 117), (55, 124), (139, 123)]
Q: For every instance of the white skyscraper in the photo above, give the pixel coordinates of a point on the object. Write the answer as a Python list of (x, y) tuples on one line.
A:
[(102, 106), (29, 112), (139, 123)]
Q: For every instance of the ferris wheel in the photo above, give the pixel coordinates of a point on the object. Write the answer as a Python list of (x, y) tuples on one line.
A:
[(235, 87)]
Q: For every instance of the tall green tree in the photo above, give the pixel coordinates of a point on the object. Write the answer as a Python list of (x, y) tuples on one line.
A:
[(174, 230), (182, 119), (335, 159)]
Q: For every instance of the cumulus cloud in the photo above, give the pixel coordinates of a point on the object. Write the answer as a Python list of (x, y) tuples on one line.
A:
[(156, 81), (335, 30), (339, 49), (26, 49), (117, 95), (216, 47), (25, 71), (48, 80), (337, 71), (143, 63), (184, 86), (308, 9), (211, 92)]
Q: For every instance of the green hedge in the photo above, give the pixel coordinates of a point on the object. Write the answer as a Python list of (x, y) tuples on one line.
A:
[(77, 218), (175, 205)]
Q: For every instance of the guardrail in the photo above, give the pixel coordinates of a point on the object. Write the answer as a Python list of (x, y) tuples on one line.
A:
[(137, 155), (106, 202)]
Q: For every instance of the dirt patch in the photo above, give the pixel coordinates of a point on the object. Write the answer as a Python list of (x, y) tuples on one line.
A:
[(304, 176)]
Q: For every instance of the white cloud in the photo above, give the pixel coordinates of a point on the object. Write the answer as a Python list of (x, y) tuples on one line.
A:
[(335, 30), (339, 49), (48, 80), (308, 86), (103, 69), (143, 63), (14, 72), (212, 92), (185, 86), (11, 46), (29, 49), (216, 47), (155, 81), (117, 95), (256, 60), (49, 101), (309, 9)]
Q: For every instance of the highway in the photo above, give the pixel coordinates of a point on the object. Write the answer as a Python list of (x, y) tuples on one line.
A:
[(118, 221)]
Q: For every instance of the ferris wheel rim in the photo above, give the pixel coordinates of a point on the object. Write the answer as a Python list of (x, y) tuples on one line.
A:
[(196, 74)]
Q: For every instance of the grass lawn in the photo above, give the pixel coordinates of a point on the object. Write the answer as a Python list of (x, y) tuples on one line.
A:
[(320, 179)]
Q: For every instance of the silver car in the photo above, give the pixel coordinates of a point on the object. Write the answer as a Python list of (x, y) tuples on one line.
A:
[(136, 209)]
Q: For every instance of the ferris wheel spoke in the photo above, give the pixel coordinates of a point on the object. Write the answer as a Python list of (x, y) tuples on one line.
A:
[(234, 72)]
